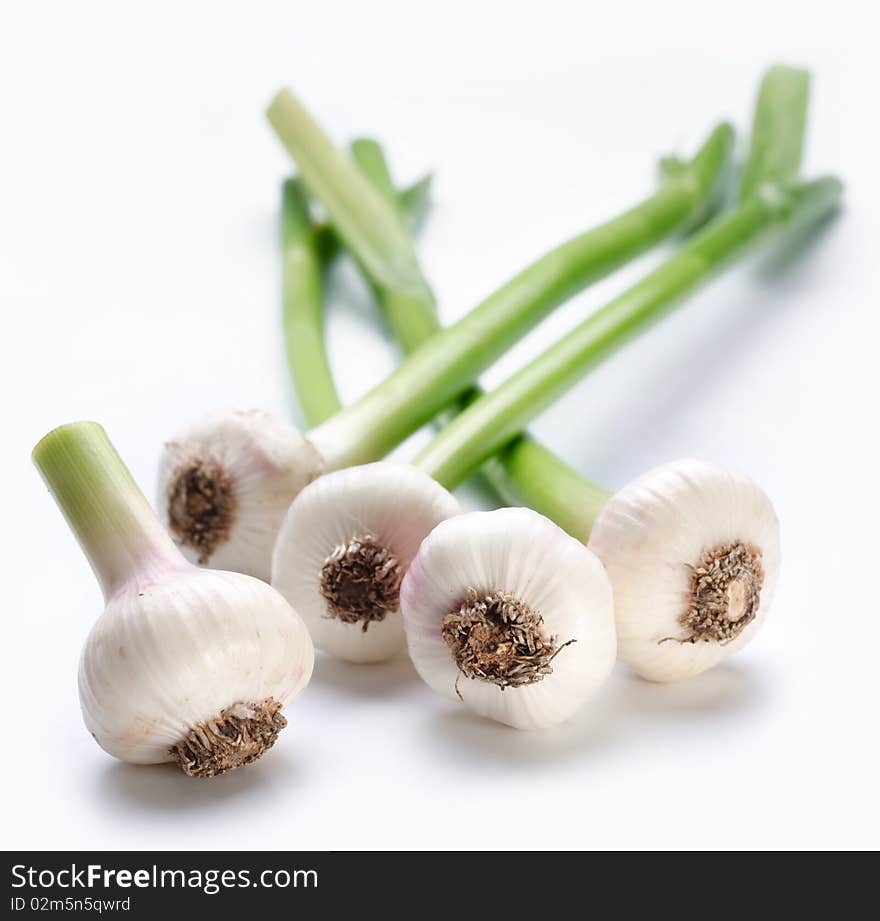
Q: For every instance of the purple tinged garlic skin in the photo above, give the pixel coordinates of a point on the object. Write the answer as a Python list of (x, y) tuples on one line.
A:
[(225, 486)]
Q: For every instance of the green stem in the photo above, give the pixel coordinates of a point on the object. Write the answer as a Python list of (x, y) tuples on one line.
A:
[(494, 420), (370, 159), (527, 473), (778, 130), (524, 473), (303, 308), (307, 248), (363, 221), (411, 316), (448, 363), (409, 325), (413, 201), (113, 522)]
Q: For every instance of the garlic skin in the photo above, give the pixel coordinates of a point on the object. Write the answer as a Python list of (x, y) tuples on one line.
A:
[(396, 505), (175, 648), (226, 484), (521, 553), (650, 536)]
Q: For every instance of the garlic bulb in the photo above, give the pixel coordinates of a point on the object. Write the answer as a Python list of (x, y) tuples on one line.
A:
[(508, 614), (692, 552), (192, 665), (344, 547), (226, 484), (185, 665)]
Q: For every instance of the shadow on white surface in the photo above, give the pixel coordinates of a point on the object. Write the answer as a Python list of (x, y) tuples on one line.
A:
[(627, 709), (794, 248), (162, 788), (368, 681), (730, 689), (681, 375)]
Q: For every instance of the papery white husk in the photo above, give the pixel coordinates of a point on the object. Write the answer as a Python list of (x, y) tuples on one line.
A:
[(268, 462), (518, 551), (648, 535), (395, 503), (174, 651)]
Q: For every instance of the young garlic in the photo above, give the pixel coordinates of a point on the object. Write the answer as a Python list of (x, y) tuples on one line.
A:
[(302, 557), (508, 614), (723, 579), (185, 665), (342, 571), (692, 551)]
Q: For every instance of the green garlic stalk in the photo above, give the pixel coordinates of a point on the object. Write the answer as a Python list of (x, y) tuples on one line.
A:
[(185, 665), (307, 248), (226, 483)]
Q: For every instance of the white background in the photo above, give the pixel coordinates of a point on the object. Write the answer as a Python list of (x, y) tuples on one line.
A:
[(139, 287)]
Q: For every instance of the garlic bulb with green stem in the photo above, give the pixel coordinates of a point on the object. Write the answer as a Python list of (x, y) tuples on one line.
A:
[(691, 549), (204, 493), (489, 424), (185, 665), (712, 598)]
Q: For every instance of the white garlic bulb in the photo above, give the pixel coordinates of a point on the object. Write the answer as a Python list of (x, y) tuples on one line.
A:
[(192, 665), (226, 484), (344, 547), (185, 665), (692, 552), (508, 614)]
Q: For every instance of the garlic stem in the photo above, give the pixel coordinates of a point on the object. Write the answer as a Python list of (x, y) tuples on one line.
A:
[(412, 200), (490, 423), (357, 210), (112, 520), (307, 248), (411, 203), (449, 362), (527, 473), (303, 312), (778, 130), (410, 326), (412, 322)]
